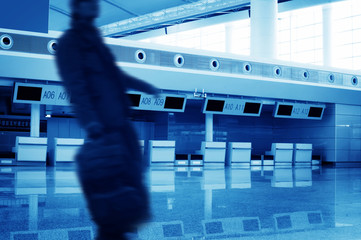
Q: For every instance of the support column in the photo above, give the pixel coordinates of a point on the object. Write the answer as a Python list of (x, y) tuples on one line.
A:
[(264, 28), (209, 127), (35, 120), (327, 35)]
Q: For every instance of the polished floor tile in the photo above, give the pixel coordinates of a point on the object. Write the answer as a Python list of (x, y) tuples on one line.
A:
[(193, 203)]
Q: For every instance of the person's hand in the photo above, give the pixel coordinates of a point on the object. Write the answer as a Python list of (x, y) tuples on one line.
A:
[(153, 91)]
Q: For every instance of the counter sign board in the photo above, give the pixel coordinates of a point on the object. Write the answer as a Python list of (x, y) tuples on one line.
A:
[(163, 102), (41, 94), (233, 106), (299, 110)]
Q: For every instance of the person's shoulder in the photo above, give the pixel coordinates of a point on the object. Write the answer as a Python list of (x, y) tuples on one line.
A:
[(68, 42)]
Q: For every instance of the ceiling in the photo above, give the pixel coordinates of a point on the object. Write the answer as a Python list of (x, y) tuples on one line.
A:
[(119, 18), (111, 10)]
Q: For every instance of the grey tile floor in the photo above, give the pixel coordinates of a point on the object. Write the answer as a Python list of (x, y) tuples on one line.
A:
[(45, 203)]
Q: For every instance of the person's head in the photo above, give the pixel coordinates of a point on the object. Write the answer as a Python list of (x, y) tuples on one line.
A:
[(88, 9)]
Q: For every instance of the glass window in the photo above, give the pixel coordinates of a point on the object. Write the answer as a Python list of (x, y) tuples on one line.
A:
[(356, 21), (300, 35), (304, 29), (346, 21), (284, 48), (284, 36), (356, 36), (344, 63), (357, 63), (357, 49), (344, 24)]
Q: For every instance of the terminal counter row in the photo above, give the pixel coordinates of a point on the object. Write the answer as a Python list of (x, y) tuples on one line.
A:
[(233, 153), (34, 150)]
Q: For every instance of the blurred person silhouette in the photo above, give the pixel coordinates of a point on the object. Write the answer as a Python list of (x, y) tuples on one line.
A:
[(109, 164)]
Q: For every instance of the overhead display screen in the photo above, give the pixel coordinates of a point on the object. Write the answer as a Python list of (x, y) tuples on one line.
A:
[(299, 110), (315, 112), (215, 105), (284, 110), (163, 102), (134, 99), (232, 106), (29, 93), (252, 108), (174, 103)]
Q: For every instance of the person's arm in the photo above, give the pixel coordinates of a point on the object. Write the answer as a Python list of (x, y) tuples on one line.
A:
[(137, 84), (71, 69), (128, 81)]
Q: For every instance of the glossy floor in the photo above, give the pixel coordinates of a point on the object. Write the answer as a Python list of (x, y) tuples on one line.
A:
[(193, 203)]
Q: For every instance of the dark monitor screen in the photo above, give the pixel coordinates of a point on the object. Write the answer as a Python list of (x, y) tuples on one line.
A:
[(174, 103), (252, 108), (315, 112), (284, 110), (215, 105), (29, 93), (134, 99)]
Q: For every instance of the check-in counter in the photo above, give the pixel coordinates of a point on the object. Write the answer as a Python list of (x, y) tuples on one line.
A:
[(65, 149), (214, 152), (302, 154), (30, 150), (239, 153), (282, 152), (162, 152)]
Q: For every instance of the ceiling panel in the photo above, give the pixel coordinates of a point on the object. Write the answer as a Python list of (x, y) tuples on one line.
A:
[(113, 11), (58, 21)]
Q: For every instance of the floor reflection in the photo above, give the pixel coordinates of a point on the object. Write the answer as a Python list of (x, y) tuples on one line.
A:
[(193, 203), (42, 203)]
